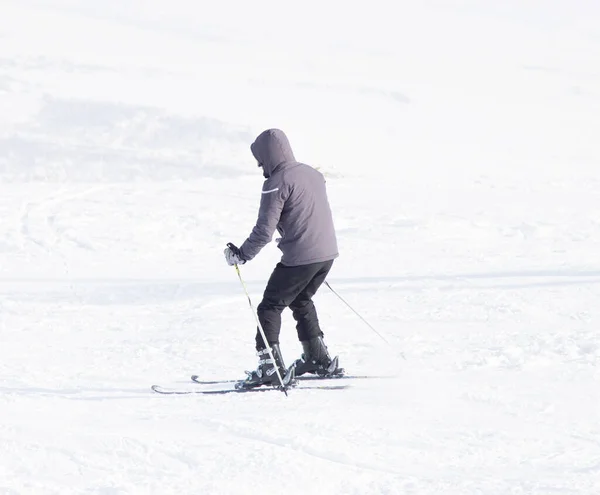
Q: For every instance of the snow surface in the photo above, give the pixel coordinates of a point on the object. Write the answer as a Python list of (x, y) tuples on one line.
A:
[(460, 140)]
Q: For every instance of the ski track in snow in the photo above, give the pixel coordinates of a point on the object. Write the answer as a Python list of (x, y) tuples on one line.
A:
[(464, 180), (44, 208)]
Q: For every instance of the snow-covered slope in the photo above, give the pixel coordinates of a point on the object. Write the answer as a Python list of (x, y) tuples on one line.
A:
[(459, 140)]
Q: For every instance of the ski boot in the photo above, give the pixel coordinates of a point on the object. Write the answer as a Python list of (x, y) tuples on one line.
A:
[(265, 374), (317, 360)]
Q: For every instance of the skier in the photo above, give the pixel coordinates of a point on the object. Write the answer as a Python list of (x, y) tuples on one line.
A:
[(293, 201)]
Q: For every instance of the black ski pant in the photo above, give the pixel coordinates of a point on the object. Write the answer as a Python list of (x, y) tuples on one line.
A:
[(293, 287)]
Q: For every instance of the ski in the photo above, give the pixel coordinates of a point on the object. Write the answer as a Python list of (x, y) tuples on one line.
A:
[(174, 391), (198, 379)]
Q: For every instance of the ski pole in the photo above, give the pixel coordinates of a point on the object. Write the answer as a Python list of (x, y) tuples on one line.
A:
[(365, 321), (262, 332)]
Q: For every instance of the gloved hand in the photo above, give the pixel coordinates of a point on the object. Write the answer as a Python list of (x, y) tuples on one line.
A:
[(232, 255)]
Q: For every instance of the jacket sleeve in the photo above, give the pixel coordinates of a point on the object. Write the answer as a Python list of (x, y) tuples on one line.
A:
[(271, 205)]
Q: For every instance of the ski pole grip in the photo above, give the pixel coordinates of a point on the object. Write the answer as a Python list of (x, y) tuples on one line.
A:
[(233, 247)]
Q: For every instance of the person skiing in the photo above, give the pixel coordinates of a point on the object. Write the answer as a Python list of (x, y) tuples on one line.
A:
[(294, 202)]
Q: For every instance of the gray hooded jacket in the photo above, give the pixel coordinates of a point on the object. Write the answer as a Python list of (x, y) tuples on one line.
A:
[(293, 201)]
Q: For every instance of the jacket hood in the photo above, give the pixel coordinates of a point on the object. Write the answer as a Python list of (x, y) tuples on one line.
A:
[(272, 148)]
